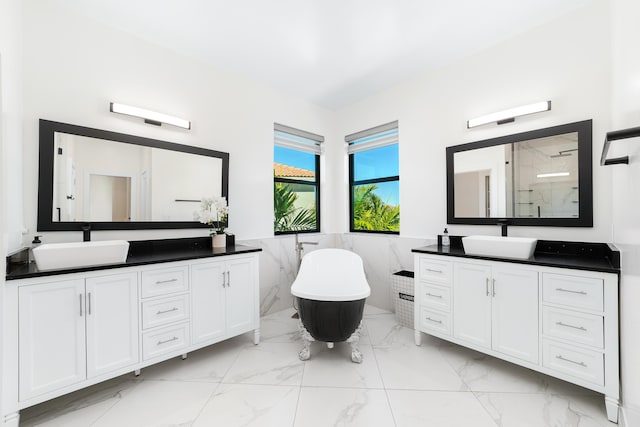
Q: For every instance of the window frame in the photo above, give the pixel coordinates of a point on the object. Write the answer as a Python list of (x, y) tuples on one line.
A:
[(353, 184), (315, 183)]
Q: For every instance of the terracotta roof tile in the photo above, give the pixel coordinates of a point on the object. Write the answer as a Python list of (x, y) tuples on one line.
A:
[(291, 172)]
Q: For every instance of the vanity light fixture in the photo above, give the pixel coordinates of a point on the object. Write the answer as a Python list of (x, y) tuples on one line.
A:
[(551, 175), (150, 117), (508, 116)]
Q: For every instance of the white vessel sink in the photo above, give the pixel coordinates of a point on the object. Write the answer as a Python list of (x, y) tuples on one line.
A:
[(55, 256), (500, 247)]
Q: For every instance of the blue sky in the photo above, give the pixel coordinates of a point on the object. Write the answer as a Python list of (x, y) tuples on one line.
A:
[(376, 163)]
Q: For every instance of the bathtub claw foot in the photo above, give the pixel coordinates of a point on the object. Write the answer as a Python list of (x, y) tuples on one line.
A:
[(305, 353), (354, 340), (307, 339)]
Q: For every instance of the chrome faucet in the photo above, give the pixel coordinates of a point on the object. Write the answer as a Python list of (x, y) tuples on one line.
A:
[(300, 248)]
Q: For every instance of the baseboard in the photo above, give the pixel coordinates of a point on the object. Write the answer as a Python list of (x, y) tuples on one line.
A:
[(629, 415)]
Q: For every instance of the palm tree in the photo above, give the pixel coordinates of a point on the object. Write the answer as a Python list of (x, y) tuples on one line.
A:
[(288, 217), (371, 213)]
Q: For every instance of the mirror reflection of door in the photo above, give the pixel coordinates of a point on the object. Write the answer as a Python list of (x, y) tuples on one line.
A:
[(145, 197), (473, 194), (109, 198)]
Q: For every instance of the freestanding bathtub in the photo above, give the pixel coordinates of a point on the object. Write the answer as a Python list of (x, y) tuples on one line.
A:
[(330, 291)]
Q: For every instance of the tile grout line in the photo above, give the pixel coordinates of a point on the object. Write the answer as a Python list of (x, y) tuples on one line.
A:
[(209, 399), (138, 382), (384, 386)]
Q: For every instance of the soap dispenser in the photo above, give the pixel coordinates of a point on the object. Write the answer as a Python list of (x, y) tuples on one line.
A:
[(34, 244), (445, 239)]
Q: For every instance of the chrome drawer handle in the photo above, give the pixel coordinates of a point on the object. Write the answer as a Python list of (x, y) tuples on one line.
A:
[(434, 271), (584, 365), (166, 341), (570, 291), (167, 311), (160, 282), (433, 295), (582, 328), (434, 320)]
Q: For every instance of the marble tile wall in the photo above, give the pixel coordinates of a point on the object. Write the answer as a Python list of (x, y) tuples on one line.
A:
[(382, 255)]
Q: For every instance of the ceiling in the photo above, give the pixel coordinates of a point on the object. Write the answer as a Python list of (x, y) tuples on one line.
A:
[(329, 52)]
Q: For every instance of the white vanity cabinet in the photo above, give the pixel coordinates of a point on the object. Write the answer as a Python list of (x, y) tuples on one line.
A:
[(74, 329), (223, 298), (492, 308), (67, 331), (560, 321)]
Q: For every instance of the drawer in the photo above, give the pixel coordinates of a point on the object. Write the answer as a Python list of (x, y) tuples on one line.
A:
[(578, 292), (164, 311), (434, 296), (165, 340), (164, 281), (436, 270), (573, 326), (570, 360), (435, 321)]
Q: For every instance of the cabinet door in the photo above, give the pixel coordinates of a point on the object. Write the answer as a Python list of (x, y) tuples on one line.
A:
[(515, 313), (207, 301), (241, 289), (51, 336), (472, 304), (112, 323)]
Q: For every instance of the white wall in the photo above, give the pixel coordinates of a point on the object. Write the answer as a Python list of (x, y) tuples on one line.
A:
[(566, 61), (74, 68), (10, 148), (11, 85), (626, 194)]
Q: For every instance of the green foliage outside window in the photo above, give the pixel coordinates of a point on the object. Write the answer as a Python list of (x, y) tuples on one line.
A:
[(288, 217), (370, 212)]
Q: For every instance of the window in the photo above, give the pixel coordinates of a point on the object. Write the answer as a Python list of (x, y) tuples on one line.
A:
[(374, 180), (296, 180)]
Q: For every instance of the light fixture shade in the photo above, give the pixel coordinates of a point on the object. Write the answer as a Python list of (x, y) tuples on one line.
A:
[(150, 117), (509, 115), (551, 175)]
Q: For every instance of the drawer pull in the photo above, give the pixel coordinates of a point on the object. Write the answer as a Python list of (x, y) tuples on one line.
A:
[(434, 271), (582, 328), (166, 341), (434, 295), (160, 282), (570, 291), (167, 311), (584, 365), (486, 285), (434, 320)]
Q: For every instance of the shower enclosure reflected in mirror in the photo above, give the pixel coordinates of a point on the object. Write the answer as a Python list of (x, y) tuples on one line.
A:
[(541, 177), (118, 181)]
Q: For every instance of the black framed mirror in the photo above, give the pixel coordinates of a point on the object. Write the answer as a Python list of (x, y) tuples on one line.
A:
[(115, 181), (537, 178)]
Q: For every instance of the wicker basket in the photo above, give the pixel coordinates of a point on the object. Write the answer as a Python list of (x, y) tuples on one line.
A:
[(403, 293)]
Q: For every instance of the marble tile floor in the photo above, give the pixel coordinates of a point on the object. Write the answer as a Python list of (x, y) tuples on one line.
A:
[(235, 383)]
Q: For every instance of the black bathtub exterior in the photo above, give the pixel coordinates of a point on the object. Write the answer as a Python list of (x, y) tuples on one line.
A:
[(330, 321)]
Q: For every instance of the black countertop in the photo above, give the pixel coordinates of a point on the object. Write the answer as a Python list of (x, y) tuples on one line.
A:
[(142, 253), (602, 257)]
